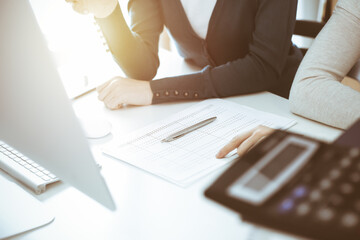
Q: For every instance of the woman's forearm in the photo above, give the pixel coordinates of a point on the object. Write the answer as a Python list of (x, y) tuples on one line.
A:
[(136, 49)]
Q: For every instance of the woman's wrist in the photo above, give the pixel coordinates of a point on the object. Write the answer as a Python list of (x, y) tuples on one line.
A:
[(148, 93)]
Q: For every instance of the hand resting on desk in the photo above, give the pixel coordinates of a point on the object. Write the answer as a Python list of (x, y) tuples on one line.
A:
[(118, 91), (244, 142)]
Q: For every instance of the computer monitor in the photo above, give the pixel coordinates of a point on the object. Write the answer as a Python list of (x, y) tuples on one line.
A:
[(36, 116)]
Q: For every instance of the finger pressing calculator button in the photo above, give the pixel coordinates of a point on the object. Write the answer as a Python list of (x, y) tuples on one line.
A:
[(325, 214), (349, 220)]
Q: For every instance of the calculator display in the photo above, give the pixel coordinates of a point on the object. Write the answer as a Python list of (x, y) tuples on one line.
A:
[(281, 161), (273, 170)]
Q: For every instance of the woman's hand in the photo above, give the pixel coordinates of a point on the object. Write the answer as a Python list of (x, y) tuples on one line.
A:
[(118, 91), (244, 142), (100, 8)]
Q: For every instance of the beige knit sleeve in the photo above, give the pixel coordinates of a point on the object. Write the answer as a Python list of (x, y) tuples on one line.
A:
[(317, 92)]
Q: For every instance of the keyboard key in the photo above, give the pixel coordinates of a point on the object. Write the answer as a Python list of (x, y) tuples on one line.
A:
[(41, 168), (34, 170), (35, 165), (29, 161), (40, 174), (10, 155), (52, 176), (22, 163), (9, 148), (17, 159), (45, 177)]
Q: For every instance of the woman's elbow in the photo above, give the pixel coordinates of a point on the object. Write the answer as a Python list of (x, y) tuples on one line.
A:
[(146, 75), (297, 97), (141, 70)]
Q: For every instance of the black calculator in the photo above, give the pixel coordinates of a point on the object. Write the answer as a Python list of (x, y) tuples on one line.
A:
[(297, 185)]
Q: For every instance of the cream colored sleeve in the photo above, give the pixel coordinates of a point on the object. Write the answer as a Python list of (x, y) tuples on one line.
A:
[(317, 92)]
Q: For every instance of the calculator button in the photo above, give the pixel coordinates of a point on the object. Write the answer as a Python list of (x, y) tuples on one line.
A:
[(346, 188), (300, 191), (334, 174), (349, 220), (357, 205), (286, 205), (315, 195), (335, 200), (355, 177), (325, 214), (303, 209), (325, 184), (345, 162), (354, 152)]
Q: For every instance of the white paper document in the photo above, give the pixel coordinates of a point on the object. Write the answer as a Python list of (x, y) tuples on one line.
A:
[(192, 156)]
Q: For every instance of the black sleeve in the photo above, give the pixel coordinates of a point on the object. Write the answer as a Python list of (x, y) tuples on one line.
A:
[(259, 70), (136, 49)]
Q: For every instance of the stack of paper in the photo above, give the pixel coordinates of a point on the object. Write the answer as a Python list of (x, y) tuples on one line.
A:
[(192, 156)]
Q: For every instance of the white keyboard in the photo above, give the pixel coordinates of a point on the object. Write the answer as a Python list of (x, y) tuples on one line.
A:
[(24, 169)]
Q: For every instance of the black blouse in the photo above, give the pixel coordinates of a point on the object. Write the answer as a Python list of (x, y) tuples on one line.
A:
[(247, 48)]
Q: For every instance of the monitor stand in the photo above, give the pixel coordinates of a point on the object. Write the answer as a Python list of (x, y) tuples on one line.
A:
[(20, 212)]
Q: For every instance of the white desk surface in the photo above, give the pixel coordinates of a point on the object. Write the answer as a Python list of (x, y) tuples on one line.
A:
[(147, 206)]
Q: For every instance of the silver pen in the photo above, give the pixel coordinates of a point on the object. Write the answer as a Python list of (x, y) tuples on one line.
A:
[(187, 130)]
